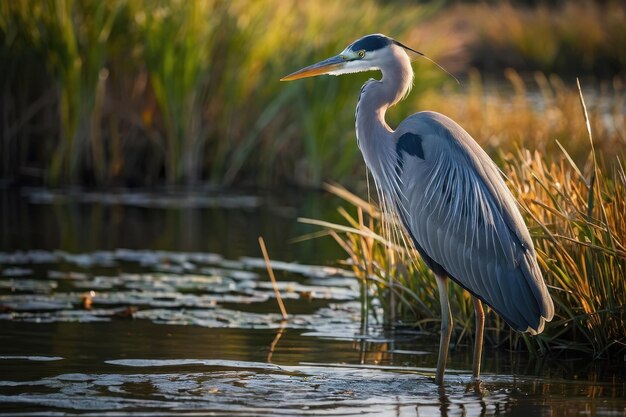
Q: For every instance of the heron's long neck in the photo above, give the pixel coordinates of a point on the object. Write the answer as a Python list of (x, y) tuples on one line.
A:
[(373, 133)]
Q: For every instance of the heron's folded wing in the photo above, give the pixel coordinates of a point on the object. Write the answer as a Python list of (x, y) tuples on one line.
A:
[(460, 213)]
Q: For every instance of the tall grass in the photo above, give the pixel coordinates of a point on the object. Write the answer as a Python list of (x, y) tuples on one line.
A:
[(134, 92), (177, 39), (186, 91), (70, 39), (577, 219)]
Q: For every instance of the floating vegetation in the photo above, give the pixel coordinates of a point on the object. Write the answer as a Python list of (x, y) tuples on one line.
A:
[(109, 258), (165, 198), (116, 334), (201, 289), (31, 358)]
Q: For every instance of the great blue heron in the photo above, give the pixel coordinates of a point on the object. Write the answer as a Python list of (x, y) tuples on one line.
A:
[(448, 193)]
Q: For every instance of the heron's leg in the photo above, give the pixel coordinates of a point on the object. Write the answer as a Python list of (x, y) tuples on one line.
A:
[(446, 327), (478, 339)]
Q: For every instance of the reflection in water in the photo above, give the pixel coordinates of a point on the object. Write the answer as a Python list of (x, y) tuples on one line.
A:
[(161, 305), (183, 386), (139, 365), (279, 333), (444, 401), (170, 220), (220, 386)]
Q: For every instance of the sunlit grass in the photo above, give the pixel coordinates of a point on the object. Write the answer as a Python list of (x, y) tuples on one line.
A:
[(536, 113), (132, 92), (186, 91), (177, 41), (70, 38)]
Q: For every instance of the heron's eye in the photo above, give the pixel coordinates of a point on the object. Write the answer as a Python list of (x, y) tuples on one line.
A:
[(361, 53)]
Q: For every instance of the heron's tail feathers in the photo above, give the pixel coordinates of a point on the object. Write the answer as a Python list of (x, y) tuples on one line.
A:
[(540, 292), (538, 307), (539, 329)]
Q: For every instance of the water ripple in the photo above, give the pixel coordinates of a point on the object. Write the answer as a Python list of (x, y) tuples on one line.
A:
[(254, 388)]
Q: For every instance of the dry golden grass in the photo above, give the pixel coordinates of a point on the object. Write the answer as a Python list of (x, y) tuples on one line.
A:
[(579, 230), (536, 114)]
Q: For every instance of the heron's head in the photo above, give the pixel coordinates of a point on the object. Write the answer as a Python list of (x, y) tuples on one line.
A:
[(371, 52)]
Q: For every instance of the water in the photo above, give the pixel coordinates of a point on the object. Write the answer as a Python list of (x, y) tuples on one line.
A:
[(159, 303)]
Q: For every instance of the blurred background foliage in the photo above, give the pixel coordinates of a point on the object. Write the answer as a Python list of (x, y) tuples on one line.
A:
[(139, 92)]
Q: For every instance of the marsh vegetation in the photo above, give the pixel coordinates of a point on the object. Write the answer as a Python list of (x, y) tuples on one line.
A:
[(146, 93)]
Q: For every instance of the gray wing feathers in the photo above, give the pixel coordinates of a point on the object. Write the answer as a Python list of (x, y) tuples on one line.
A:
[(465, 219)]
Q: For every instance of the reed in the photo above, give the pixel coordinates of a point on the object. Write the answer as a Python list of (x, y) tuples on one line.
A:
[(177, 40), (70, 39), (187, 90), (134, 92)]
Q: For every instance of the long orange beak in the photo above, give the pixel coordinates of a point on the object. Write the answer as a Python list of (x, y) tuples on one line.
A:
[(324, 67)]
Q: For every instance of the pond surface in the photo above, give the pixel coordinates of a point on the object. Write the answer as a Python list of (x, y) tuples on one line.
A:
[(152, 303)]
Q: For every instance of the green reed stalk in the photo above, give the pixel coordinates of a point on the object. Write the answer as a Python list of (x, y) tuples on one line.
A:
[(177, 39), (73, 37)]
